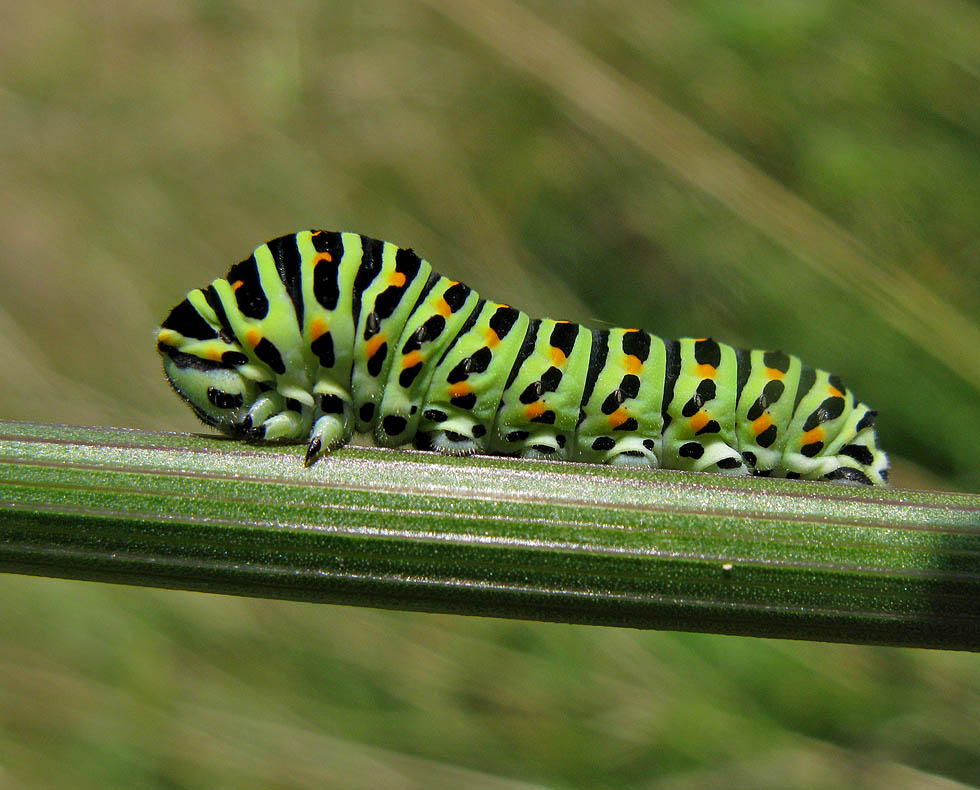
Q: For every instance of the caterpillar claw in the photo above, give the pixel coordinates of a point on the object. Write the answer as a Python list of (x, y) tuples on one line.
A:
[(328, 434), (312, 452)]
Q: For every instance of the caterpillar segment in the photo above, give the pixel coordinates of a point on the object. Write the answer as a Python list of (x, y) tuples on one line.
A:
[(699, 423), (621, 417), (767, 384), (539, 407), (442, 310), (320, 334), (467, 385)]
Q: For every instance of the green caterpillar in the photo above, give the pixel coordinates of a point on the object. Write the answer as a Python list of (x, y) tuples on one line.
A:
[(319, 334)]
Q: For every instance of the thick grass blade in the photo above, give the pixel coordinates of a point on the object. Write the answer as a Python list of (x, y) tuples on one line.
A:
[(493, 536)]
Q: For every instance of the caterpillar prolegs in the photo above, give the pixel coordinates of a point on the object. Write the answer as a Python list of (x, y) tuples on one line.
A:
[(320, 334)]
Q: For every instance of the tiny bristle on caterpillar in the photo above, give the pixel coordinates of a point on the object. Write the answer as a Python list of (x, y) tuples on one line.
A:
[(319, 334)]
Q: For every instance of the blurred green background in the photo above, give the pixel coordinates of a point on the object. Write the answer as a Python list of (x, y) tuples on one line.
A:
[(794, 174)]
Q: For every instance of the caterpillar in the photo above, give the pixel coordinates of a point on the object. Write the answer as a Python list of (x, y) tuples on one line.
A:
[(319, 334)]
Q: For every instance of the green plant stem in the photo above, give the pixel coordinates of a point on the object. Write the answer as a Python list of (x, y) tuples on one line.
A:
[(493, 536)]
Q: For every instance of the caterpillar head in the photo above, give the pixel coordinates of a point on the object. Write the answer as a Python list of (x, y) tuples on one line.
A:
[(219, 395)]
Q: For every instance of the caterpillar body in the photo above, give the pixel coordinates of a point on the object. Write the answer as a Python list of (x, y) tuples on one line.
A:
[(319, 333)]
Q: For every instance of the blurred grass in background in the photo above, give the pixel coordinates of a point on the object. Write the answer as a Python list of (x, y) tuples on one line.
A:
[(800, 174)]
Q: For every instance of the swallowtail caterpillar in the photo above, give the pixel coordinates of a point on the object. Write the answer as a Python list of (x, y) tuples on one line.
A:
[(319, 334)]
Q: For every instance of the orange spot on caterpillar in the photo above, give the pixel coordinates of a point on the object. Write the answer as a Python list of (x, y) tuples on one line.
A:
[(632, 364), (213, 354), (459, 389), (323, 256), (835, 392), (698, 421), (411, 359), (397, 279), (761, 424), (533, 410), (558, 358), (618, 417), (237, 284), (811, 437), (492, 339), (372, 346), (318, 328), (774, 374), (252, 337), (443, 308), (706, 371)]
